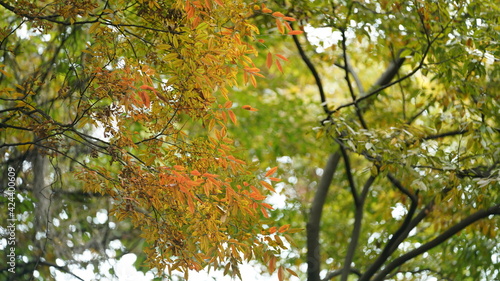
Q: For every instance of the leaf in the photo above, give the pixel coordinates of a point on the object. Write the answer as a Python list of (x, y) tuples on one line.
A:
[(295, 32), (292, 272), (271, 171), (232, 116), (272, 230), (272, 264), (278, 65), (269, 60), (281, 29), (281, 274), (278, 14), (281, 57), (289, 18), (145, 98), (283, 228), (267, 185)]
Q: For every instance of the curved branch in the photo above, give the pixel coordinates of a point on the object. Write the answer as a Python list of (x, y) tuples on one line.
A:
[(336, 273), (313, 225), (495, 210), (314, 73), (356, 231), (399, 235)]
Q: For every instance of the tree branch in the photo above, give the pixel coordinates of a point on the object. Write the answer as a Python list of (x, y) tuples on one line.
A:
[(399, 235), (336, 273), (313, 225), (495, 210), (314, 73), (356, 231)]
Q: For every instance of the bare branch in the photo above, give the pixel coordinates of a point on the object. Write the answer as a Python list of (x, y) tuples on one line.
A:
[(314, 73), (495, 210), (313, 225), (356, 231)]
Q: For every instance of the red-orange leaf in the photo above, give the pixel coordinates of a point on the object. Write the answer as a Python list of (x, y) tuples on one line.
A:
[(271, 171), (146, 87), (269, 60), (278, 64), (273, 230), (295, 32), (281, 57), (278, 14), (283, 228), (289, 18)]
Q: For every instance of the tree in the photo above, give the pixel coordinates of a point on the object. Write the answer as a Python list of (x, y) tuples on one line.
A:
[(409, 131), (155, 77)]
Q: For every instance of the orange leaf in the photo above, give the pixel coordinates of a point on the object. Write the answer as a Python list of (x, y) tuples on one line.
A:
[(195, 173), (264, 212), (268, 186), (249, 108), (265, 205), (283, 228), (269, 60), (271, 171), (289, 18), (252, 69), (281, 57), (278, 64), (273, 230), (145, 98), (267, 10), (146, 87), (281, 29), (228, 104), (274, 179), (278, 14), (232, 116), (295, 32)]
